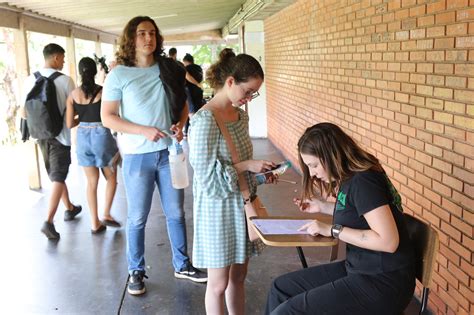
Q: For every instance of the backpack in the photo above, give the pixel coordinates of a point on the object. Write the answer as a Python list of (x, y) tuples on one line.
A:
[(43, 117)]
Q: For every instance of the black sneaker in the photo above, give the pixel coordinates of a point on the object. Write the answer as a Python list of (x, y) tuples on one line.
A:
[(69, 215), (49, 230), (136, 285), (192, 274)]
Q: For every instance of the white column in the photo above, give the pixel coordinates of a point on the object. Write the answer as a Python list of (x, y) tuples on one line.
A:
[(254, 45)]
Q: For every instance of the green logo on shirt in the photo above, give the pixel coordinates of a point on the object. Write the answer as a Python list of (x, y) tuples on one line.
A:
[(396, 198), (341, 201)]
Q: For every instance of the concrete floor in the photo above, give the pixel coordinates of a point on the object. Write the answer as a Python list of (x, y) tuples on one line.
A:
[(87, 274)]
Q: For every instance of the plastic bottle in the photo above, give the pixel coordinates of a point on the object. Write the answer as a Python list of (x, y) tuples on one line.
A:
[(178, 166), (281, 168)]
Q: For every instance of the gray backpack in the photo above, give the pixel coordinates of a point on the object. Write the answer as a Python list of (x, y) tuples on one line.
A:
[(43, 117)]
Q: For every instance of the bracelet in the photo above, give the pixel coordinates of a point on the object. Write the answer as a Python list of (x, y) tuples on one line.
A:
[(246, 200)]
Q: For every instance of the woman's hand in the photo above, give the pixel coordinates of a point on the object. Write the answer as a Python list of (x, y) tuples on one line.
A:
[(259, 166), (317, 228), (308, 205)]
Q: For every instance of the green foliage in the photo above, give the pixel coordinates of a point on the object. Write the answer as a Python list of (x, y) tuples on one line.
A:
[(205, 55)]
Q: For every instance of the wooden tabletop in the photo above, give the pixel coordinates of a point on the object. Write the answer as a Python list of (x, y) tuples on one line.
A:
[(294, 240)]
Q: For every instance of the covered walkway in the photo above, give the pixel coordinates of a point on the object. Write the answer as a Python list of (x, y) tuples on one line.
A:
[(397, 75)]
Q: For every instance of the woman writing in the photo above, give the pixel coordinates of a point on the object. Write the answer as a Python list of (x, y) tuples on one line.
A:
[(221, 243), (96, 148), (378, 275)]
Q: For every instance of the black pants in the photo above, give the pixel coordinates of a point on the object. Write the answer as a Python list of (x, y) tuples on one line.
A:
[(329, 289)]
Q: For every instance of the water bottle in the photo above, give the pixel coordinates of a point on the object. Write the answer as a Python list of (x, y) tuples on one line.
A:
[(178, 165), (281, 168)]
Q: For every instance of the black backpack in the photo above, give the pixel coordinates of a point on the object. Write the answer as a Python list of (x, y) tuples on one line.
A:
[(44, 120)]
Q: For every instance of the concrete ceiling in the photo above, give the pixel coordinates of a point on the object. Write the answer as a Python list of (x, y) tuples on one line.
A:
[(173, 17)]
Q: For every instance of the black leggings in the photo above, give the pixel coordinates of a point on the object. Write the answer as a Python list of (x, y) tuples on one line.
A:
[(329, 289)]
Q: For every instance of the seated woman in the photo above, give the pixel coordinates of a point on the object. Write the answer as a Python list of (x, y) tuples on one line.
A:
[(378, 275)]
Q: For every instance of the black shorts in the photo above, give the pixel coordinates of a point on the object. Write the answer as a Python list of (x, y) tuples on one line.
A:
[(57, 158)]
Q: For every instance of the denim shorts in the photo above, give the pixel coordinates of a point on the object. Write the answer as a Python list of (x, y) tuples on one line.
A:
[(95, 145)]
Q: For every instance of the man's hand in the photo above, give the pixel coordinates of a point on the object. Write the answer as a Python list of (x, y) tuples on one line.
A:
[(152, 133), (177, 131)]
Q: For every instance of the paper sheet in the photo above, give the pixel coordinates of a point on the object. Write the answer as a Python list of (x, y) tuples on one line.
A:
[(280, 227)]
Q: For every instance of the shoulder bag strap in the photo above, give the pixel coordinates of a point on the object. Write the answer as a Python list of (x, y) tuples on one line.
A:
[(233, 151)]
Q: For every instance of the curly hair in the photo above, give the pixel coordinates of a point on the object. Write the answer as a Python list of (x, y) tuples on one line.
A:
[(339, 154), (126, 53), (87, 71), (242, 68)]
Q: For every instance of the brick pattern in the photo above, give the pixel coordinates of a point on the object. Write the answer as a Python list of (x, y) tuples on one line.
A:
[(398, 75)]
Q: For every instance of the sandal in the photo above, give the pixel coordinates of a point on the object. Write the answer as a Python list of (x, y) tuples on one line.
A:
[(111, 223), (99, 230)]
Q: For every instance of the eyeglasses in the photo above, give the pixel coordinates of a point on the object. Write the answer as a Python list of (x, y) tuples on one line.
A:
[(254, 95)]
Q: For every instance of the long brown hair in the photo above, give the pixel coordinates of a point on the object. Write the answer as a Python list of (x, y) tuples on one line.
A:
[(339, 154), (126, 53)]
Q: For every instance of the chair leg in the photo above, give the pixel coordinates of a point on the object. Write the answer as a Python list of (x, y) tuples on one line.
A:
[(424, 299)]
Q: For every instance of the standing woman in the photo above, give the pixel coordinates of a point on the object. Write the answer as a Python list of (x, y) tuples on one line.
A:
[(378, 274), (221, 243), (96, 147)]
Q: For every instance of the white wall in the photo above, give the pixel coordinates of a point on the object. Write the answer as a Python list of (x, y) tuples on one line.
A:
[(257, 108)]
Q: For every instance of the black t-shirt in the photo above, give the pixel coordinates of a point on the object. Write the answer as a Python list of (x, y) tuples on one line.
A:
[(362, 193), (195, 71)]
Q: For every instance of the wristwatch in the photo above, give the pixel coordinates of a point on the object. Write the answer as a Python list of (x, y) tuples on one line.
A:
[(336, 229)]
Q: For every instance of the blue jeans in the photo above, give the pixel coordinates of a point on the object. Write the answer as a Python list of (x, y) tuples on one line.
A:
[(140, 173)]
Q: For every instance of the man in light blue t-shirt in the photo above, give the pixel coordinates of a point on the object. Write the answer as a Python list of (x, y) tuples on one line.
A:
[(144, 100)]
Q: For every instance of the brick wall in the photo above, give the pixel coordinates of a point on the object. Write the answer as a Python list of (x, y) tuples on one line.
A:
[(398, 75)]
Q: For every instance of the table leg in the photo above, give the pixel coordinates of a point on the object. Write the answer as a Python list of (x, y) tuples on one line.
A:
[(334, 250), (302, 257)]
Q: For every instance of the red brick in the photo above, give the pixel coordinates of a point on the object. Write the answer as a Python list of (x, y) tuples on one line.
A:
[(462, 42), (456, 55), (444, 43), (451, 231), (436, 7), (446, 18), (444, 93), (464, 15), (452, 182), (444, 68), (456, 82), (435, 56), (460, 249), (425, 20), (436, 31), (454, 4), (408, 3), (456, 29), (464, 96), (434, 103), (466, 229)]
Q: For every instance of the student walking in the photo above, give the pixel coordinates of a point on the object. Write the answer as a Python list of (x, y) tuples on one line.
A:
[(95, 146), (221, 242), (56, 151), (148, 90)]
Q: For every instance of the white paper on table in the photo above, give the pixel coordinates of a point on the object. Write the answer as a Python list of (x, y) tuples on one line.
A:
[(280, 227)]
